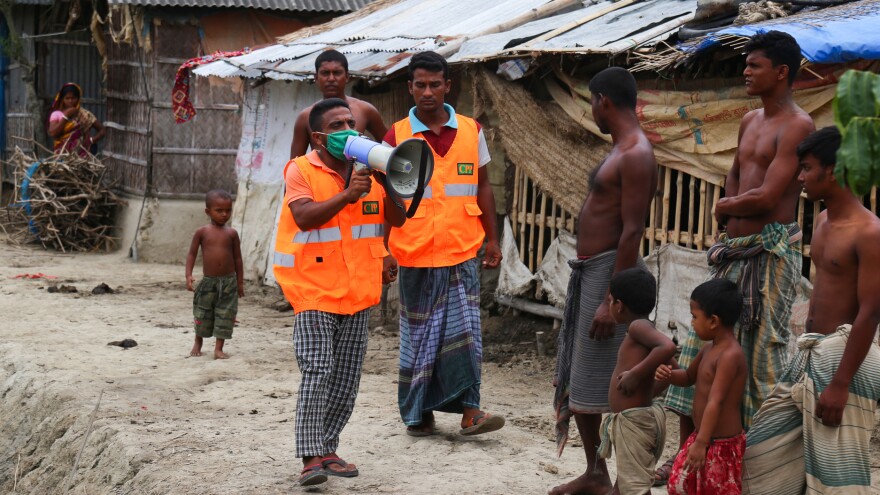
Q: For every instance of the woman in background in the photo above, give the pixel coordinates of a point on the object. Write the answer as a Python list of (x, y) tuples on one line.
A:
[(70, 125)]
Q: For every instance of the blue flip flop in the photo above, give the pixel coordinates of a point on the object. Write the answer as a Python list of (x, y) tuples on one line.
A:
[(313, 475)]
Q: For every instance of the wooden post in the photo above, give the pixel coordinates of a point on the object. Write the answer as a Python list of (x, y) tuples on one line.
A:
[(541, 346)]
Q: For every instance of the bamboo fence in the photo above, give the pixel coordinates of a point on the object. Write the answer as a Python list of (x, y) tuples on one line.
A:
[(681, 213)]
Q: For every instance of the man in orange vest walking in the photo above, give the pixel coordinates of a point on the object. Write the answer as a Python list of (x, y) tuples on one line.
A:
[(329, 252), (440, 339)]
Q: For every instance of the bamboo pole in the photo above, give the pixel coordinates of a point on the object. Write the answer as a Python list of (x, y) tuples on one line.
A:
[(691, 201), (515, 204), (664, 217), (679, 185), (542, 224), (522, 218), (533, 221), (652, 224), (716, 195)]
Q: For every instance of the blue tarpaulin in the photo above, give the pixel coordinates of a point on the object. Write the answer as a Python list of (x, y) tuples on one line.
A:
[(836, 34)]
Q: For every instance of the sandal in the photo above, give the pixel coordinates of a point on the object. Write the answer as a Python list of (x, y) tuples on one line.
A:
[(344, 473), (661, 475), (312, 475), (482, 422)]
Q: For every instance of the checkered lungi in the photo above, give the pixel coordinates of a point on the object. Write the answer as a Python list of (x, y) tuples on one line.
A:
[(330, 351)]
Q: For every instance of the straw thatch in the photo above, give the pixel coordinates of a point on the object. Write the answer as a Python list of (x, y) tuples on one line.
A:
[(554, 150)]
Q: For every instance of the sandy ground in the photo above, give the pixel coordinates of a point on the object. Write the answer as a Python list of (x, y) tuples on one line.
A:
[(176, 425)]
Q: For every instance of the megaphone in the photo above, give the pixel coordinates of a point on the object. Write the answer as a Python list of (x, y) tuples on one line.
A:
[(406, 167)]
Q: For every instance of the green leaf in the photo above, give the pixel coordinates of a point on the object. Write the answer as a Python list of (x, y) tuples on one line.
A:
[(876, 95), (855, 97), (859, 154)]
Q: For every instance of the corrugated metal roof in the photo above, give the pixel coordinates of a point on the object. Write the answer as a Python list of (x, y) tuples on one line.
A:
[(290, 5), (381, 41), (605, 27)]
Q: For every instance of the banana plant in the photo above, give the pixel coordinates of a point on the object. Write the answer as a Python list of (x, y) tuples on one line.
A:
[(857, 116)]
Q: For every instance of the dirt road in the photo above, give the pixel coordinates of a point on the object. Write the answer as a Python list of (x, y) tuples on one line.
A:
[(167, 424)]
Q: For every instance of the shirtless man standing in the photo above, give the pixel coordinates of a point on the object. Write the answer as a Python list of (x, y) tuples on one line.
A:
[(610, 229), (761, 247), (815, 428), (331, 76)]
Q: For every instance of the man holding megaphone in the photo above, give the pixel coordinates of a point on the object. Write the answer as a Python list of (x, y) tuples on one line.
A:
[(440, 337), (329, 252)]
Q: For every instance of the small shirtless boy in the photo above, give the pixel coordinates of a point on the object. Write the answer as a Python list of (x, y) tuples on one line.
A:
[(710, 461), (215, 302), (636, 428)]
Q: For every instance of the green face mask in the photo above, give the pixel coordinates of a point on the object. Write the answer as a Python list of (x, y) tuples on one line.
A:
[(336, 142)]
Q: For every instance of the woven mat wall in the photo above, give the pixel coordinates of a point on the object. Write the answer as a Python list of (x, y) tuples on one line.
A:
[(554, 150)]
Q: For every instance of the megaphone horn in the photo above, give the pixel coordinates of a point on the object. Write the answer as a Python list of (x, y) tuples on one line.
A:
[(402, 165)]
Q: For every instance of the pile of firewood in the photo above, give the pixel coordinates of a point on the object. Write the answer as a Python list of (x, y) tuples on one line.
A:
[(67, 205)]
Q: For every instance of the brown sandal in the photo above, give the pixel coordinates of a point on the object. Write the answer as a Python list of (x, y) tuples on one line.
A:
[(661, 475), (482, 422)]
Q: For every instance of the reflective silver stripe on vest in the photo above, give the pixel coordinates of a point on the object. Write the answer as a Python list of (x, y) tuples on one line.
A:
[(369, 230), (460, 189), (427, 193), (282, 259), (318, 235)]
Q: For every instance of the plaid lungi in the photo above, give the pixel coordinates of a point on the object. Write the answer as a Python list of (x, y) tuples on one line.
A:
[(330, 352), (766, 267), (441, 347)]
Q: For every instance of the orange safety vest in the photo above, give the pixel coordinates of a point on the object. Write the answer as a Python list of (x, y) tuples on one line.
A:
[(337, 267), (446, 229)]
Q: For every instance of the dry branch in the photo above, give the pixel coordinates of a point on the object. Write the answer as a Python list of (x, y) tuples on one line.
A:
[(68, 205)]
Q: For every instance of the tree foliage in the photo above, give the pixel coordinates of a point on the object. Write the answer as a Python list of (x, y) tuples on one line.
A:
[(857, 115)]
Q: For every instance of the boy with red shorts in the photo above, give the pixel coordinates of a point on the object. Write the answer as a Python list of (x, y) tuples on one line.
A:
[(710, 461)]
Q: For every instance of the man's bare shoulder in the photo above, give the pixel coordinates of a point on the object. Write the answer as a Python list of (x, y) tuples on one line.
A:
[(357, 102), (868, 230), (638, 152), (750, 117), (799, 121), (304, 114)]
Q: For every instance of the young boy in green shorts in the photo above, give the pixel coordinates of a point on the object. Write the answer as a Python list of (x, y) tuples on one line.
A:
[(636, 426), (215, 302)]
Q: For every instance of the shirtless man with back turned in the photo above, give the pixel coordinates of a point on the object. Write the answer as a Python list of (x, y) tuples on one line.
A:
[(761, 247), (814, 430), (610, 229), (331, 76)]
